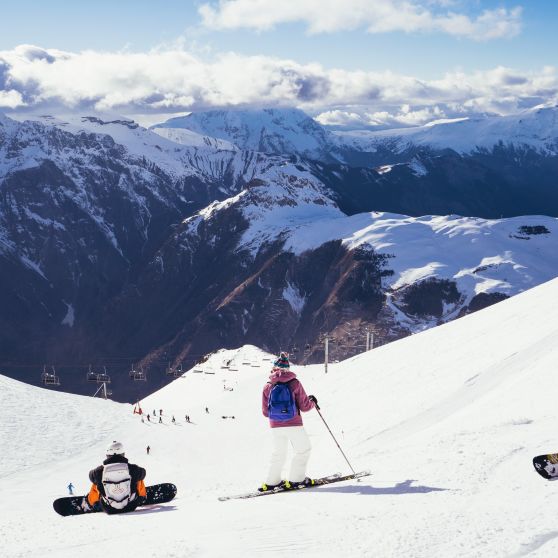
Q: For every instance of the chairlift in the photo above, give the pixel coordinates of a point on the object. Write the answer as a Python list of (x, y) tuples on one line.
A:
[(50, 379), (91, 376), (103, 377), (137, 375)]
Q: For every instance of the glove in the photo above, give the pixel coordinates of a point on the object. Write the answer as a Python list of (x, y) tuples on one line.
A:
[(313, 399)]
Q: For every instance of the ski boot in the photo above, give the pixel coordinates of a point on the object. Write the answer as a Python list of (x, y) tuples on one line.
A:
[(287, 485), (270, 487)]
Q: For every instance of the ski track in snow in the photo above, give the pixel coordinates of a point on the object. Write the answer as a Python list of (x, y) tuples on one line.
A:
[(447, 420)]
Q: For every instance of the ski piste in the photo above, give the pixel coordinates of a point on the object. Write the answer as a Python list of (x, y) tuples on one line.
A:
[(547, 466), (156, 494), (317, 482)]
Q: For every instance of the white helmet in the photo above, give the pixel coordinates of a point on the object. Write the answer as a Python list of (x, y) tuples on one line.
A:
[(116, 448)]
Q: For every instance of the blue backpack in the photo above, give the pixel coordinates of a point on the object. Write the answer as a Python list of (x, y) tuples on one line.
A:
[(281, 404)]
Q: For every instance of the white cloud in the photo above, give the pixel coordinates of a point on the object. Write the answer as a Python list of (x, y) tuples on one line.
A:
[(174, 80), (377, 16), (11, 99)]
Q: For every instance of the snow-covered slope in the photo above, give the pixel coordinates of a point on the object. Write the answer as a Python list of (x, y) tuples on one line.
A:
[(534, 128), (447, 420)]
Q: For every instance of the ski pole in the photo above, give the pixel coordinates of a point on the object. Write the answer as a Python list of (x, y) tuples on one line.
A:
[(336, 442)]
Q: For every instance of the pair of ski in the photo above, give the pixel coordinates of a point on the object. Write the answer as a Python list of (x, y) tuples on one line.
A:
[(317, 482)]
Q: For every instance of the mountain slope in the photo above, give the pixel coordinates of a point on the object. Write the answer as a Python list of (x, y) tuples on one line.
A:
[(297, 268), (447, 420)]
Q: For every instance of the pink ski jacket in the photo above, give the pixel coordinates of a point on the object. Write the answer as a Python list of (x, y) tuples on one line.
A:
[(302, 402)]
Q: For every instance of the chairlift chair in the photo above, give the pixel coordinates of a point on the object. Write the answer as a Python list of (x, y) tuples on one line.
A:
[(50, 379), (137, 375), (91, 376)]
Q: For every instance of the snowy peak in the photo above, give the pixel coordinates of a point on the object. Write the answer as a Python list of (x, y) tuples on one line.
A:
[(277, 131), (535, 128)]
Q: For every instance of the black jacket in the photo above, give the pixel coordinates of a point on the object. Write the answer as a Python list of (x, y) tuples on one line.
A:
[(136, 473)]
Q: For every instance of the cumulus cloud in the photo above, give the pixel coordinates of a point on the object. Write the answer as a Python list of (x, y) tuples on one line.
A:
[(379, 16), (173, 80)]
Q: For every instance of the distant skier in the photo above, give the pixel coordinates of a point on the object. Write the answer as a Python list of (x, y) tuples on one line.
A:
[(207, 410), (148, 418), (173, 419), (160, 419), (71, 489), (160, 412), (283, 399), (118, 486), (147, 449), (154, 413)]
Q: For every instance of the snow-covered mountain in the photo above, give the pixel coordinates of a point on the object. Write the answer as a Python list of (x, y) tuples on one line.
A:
[(275, 131), (297, 267), (447, 421), (292, 132), (488, 167), (120, 246), (535, 129)]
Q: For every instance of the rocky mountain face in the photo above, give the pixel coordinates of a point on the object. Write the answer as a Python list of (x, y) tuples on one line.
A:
[(121, 246)]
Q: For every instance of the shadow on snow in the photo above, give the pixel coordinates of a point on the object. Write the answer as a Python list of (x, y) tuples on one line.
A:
[(399, 488)]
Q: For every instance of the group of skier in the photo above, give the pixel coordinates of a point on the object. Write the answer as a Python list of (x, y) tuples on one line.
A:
[(118, 486)]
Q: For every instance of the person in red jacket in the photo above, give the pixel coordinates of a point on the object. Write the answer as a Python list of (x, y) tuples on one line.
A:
[(118, 486), (283, 400)]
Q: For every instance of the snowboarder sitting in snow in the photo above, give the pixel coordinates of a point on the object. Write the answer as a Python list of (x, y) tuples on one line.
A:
[(117, 485), (283, 399)]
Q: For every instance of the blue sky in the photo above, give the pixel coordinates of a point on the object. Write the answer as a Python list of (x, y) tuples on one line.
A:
[(140, 25), (298, 43)]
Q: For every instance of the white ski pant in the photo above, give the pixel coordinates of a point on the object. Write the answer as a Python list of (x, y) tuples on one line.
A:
[(300, 443)]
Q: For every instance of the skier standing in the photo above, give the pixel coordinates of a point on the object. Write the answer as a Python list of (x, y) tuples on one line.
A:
[(118, 486), (283, 399), (160, 419), (148, 419), (147, 449), (71, 489), (173, 419)]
